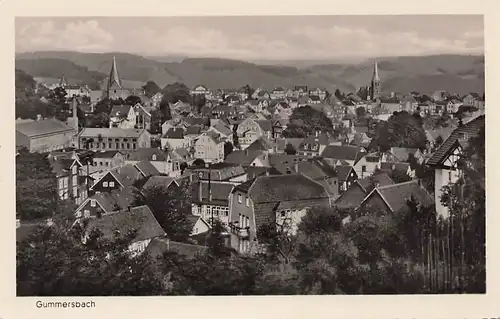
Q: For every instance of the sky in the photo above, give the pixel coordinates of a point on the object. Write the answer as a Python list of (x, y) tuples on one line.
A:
[(257, 37)]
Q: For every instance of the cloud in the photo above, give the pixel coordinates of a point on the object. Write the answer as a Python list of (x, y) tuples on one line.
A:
[(304, 40), (85, 36)]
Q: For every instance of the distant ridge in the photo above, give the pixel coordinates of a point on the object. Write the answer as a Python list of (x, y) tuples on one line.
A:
[(455, 73)]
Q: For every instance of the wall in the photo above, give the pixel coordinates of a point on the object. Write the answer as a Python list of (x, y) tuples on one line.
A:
[(235, 209), (442, 177), (52, 142), (108, 178)]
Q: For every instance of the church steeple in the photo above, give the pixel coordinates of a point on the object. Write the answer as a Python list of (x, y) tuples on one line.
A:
[(375, 85), (114, 79), (62, 82)]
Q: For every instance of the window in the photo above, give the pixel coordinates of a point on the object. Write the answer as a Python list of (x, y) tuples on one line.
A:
[(123, 145), (75, 180), (111, 184), (134, 146), (247, 224), (105, 184), (247, 202), (117, 145), (74, 169), (86, 213), (283, 213), (239, 198), (103, 145), (65, 182), (92, 203), (128, 145), (241, 220), (61, 183), (75, 191), (110, 145), (107, 163), (363, 168)]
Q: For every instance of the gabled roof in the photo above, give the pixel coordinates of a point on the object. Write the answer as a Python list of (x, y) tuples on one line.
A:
[(113, 201), (266, 125), (345, 152), (343, 171), (395, 196), (223, 129), (472, 128), (160, 180), (395, 166), (243, 158), (276, 188), (314, 98), (174, 133), (254, 171), (146, 154), (295, 142), (42, 127), (314, 169), (261, 144), (120, 111), (62, 166), (194, 130), (277, 159), (147, 169), (139, 219), (381, 179)]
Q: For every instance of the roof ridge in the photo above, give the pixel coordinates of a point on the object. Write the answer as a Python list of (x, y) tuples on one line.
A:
[(403, 183)]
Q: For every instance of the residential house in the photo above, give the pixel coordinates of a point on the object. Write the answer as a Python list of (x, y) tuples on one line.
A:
[(122, 116), (313, 99), (44, 136), (72, 179), (278, 93), (263, 144), (107, 139), (271, 200), (225, 133), (255, 171), (402, 154), (248, 158), (409, 104), (453, 105), (76, 90), (300, 90), (139, 219), (367, 165), (279, 126), (166, 162), (160, 181), (400, 168), (103, 203), (174, 138), (390, 105), (439, 95), (314, 145), (249, 130), (346, 175), (263, 95), (473, 99), (108, 160), (95, 96), (359, 189), (209, 147), (283, 142), (393, 199), (315, 169), (210, 201), (142, 116), (198, 225), (233, 99), (349, 154), (318, 92), (445, 159), (202, 90), (124, 177)]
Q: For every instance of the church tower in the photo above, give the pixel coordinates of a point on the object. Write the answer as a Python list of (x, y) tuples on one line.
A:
[(375, 85), (114, 83), (62, 82)]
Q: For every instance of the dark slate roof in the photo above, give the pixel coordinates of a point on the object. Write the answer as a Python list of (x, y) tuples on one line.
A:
[(42, 127), (220, 192), (194, 130), (61, 166), (106, 154), (395, 166), (275, 188), (314, 98), (471, 128), (261, 144), (382, 179), (352, 197), (279, 159), (296, 142), (396, 195), (116, 199), (243, 158), (147, 169), (266, 125), (343, 171), (345, 152), (127, 174), (174, 133), (154, 181), (254, 171), (146, 154), (140, 219), (313, 169), (120, 111)]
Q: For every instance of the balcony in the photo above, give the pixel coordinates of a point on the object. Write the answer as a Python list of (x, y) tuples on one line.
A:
[(242, 232)]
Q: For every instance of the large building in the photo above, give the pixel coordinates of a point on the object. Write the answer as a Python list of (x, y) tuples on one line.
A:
[(106, 139), (44, 135)]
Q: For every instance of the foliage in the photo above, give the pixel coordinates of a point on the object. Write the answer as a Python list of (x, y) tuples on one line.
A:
[(151, 88), (289, 149), (305, 120), (248, 90), (339, 95), (199, 101), (133, 100), (97, 120), (53, 261), (401, 130), (165, 112), (176, 92), (36, 186), (171, 206)]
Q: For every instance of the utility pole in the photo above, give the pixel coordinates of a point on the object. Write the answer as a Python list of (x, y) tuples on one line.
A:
[(207, 165)]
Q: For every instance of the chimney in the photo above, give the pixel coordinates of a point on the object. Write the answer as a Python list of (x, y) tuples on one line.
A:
[(267, 172), (75, 115), (38, 117)]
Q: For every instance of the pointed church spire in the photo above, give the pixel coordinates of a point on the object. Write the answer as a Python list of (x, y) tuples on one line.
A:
[(114, 79), (62, 81), (375, 72)]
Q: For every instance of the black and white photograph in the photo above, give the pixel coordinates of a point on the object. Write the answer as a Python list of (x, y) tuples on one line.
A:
[(250, 155)]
